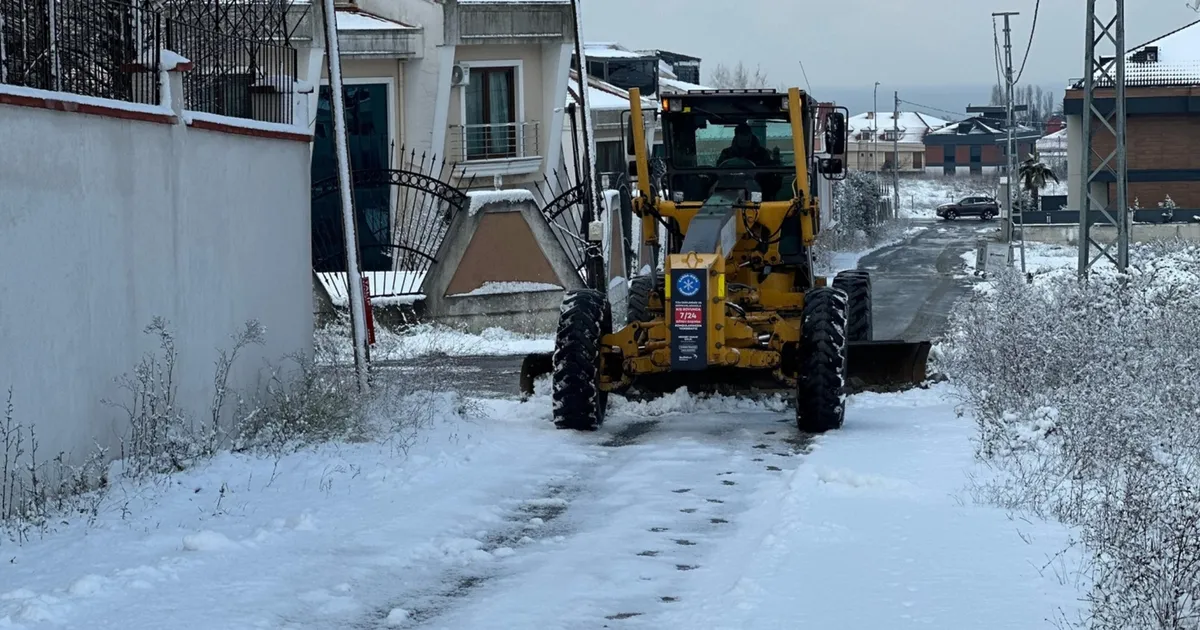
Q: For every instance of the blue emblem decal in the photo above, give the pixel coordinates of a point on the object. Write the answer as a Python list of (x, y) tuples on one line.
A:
[(688, 285)]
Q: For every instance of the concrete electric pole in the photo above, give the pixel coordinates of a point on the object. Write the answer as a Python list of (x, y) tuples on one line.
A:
[(896, 157), (1104, 74), (1009, 149)]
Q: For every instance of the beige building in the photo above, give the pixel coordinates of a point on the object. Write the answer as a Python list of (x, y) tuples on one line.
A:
[(874, 135), (476, 84)]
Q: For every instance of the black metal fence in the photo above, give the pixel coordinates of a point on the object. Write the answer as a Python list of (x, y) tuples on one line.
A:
[(111, 49), (234, 76), (97, 48)]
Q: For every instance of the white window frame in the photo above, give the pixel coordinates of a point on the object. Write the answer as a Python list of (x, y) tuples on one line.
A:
[(392, 107), (519, 84), (393, 146)]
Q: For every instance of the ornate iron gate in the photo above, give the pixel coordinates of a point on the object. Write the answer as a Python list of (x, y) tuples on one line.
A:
[(402, 216)]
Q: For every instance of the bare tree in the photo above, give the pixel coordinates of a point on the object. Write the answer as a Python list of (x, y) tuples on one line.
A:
[(740, 76)]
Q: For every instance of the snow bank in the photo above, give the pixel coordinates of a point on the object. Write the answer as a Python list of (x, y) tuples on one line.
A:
[(429, 340)]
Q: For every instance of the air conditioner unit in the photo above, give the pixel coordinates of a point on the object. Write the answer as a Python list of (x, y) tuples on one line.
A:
[(460, 76)]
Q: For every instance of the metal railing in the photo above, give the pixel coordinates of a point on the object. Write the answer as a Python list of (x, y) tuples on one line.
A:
[(112, 49), (470, 143), (234, 76), (99, 48)]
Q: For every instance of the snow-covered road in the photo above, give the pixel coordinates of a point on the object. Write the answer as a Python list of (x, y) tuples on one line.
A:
[(679, 513)]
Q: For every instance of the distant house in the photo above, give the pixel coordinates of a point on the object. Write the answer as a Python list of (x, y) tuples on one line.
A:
[(1053, 146), (976, 145), (685, 68), (612, 71), (1162, 125), (873, 136)]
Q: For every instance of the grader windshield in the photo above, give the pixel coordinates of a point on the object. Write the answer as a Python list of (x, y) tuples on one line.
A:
[(714, 133)]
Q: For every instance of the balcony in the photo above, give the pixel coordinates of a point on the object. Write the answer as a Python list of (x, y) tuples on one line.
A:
[(361, 35), (496, 149), (510, 23)]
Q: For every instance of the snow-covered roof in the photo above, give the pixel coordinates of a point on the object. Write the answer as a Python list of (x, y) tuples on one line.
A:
[(976, 126), (603, 96), (674, 86), (611, 50), (913, 125), (1175, 62), (356, 20), (514, 1), (1056, 141)]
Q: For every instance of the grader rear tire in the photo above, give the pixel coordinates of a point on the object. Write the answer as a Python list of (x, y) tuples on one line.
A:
[(640, 289), (579, 404), (856, 284), (820, 396)]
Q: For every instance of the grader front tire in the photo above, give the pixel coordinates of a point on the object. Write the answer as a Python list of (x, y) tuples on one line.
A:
[(579, 404), (820, 399)]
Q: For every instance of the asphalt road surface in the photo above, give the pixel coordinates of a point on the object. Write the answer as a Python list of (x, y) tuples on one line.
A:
[(914, 285)]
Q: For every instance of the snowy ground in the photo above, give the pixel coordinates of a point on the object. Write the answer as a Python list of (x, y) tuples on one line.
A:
[(680, 513), (920, 196)]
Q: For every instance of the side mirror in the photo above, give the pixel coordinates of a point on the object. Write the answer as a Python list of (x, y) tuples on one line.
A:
[(831, 166), (835, 133), (629, 148), (633, 168)]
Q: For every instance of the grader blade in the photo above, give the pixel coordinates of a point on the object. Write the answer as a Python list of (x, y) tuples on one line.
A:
[(533, 367), (886, 365)]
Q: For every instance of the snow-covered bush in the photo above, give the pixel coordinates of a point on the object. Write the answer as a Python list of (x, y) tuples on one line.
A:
[(856, 204), (1087, 409)]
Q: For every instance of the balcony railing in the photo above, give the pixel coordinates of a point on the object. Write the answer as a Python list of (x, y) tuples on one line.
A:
[(504, 141)]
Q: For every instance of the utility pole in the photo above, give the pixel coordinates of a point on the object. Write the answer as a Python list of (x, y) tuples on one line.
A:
[(896, 156), (875, 145), (1098, 75), (354, 278), (1009, 149)]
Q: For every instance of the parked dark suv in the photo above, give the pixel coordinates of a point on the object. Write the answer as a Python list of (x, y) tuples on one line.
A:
[(980, 206)]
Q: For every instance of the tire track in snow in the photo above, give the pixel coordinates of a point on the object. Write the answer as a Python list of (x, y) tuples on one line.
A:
[(647, 515)]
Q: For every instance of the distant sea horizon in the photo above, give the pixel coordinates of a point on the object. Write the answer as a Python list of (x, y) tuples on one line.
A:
[(946, 102)]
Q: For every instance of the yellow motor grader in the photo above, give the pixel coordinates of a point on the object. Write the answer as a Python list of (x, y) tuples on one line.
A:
[(736, 306)]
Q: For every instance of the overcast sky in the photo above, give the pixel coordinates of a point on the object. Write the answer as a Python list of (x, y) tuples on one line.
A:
[(852, 43)]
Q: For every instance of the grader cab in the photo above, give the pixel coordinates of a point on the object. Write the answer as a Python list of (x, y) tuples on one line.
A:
[(736, 305)]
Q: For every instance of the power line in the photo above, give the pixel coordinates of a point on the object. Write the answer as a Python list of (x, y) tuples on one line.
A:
[(936, 109), (1032, 29), (806, 83)]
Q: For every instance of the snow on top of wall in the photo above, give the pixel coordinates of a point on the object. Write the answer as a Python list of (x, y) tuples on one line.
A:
[(913, 125), (505, 288), (481, 198), (245, 123), (514, 1), (67, 97), (355, 20)]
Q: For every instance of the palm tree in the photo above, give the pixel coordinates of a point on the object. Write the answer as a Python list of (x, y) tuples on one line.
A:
[(1034, 175)]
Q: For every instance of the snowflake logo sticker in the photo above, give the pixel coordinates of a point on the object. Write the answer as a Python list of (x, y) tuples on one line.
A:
[(688, 285)]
